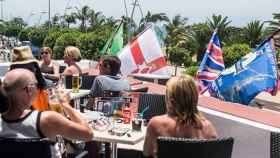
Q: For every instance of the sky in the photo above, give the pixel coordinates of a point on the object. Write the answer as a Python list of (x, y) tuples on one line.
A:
[(240, 12)]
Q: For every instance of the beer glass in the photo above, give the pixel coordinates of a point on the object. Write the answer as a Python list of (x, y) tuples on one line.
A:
[(137, 121), (54, 103), (76, 83)]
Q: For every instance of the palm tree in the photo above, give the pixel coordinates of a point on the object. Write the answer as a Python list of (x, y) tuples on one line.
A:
[(221, 23), (96, 19), (153, 18), (129, 27), (176, 32), (273, 26), (200, 36), (17, 21), (70, 19), (176, 40), (83, 15), (55, 20), (253, 33)]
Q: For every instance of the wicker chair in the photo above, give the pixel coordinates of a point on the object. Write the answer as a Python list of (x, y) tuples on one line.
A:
[(25, 148), (155, 102), (87, 81), (30, 148), (194, 148), (274, 145)]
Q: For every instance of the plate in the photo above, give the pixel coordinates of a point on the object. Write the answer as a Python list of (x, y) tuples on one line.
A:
[(91, 115)]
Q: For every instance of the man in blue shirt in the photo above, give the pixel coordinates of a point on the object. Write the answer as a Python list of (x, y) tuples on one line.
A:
[(109, 80)]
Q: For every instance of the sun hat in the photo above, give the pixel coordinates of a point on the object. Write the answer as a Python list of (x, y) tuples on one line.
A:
[(22, 55)]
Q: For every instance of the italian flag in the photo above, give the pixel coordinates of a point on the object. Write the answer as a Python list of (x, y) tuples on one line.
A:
[(144, 55)]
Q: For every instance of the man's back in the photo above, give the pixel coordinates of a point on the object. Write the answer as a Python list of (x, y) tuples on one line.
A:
[(108, 83)]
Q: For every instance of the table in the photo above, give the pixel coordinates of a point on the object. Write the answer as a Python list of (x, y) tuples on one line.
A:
[(104, 136), (154, 77), (76, 97)]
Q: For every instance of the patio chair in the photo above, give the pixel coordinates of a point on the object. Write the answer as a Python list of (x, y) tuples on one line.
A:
[(62, 68), (274, 145), (141, 89), (25, 148), (30, 148), (194, 148), (155, 102), (87, 81)]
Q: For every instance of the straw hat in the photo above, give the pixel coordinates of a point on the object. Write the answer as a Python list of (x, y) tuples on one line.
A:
[(23, 55)]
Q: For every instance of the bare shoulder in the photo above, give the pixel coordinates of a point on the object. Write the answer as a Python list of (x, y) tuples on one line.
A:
[(157, 121), (210, 130), (50, 118)]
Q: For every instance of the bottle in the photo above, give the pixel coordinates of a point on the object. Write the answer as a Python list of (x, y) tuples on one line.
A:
[(126, 115), (61, 82)]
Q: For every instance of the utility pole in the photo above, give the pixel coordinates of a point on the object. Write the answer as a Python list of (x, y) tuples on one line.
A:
[(49, 12), (126, 11), (134, 4), (2, 11)]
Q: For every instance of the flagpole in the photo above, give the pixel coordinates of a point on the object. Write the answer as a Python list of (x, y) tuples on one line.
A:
[(146, 28)]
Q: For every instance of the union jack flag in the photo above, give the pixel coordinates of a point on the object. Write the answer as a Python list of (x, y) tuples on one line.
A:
[(212, 63)]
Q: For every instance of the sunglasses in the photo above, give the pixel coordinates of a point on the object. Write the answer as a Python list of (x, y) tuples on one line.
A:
[(31, 84), (44, 53)]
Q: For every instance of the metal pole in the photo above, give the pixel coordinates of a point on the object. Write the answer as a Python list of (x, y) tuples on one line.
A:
[(49, 14), (130, 21), (126, 11), (2, 15)]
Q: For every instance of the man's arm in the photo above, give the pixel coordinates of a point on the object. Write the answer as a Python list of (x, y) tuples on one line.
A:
[(52, 123)]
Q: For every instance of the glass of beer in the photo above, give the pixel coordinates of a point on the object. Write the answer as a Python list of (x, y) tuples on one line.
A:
[(54, 103), (76, 83)]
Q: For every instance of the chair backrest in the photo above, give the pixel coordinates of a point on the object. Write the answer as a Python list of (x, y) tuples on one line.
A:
[(274, 145), (155, 102), (194, 148), (25, 148), (87, 81), (62, 68), (141, 89)]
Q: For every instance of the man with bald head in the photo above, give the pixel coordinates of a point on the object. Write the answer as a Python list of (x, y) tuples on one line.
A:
[(20, 122)]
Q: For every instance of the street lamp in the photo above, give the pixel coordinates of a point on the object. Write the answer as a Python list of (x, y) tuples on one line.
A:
[(2, 18), (49, 14)]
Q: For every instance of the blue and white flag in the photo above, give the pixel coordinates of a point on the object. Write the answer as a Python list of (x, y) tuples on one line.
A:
[(254, 73), (212, 63)]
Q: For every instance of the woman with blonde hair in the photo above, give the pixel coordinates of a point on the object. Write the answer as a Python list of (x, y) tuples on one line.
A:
[(71, 56), (182, 119), (49, 67)]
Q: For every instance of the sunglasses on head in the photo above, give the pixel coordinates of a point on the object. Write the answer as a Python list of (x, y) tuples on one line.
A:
[(44, 53)]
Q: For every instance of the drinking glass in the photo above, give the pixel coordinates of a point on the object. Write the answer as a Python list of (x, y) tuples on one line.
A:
[(137, 121), (76, 83), (54, 103)]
